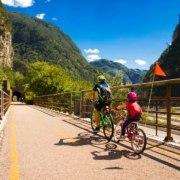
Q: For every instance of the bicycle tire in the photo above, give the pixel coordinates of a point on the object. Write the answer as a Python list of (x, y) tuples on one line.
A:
[(139, 140), (93, 122), (109, 126), (117, 132)]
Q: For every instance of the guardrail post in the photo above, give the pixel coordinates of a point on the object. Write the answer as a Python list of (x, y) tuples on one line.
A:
[(132, 89), (168, 96)]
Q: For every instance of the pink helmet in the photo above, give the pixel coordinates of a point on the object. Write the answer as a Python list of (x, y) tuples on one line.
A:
[(132, 95)]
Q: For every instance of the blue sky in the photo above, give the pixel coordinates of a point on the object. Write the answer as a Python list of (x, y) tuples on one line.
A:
[(133, 32)]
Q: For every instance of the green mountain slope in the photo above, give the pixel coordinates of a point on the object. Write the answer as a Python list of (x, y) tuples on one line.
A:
[(37, 40), (169, 62), (133, 76)]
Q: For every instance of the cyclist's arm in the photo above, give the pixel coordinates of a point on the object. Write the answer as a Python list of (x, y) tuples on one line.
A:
[(92, 92), (121, 107)]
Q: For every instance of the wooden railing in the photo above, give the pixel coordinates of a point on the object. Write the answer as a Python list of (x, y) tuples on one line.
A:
[(168, 101), (63, 102), (5, 101), (60, 102)]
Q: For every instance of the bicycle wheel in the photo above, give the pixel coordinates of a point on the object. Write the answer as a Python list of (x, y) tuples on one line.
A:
[(138, 141), (93, 122), (117, 132), (108, 128)]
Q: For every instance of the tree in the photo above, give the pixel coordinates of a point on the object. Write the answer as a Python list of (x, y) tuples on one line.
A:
[(118, 93), (42, 79)]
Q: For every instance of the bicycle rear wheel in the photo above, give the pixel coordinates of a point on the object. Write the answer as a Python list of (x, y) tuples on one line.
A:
[(138, 141), (108, 128), (93, 122), (117, 132)]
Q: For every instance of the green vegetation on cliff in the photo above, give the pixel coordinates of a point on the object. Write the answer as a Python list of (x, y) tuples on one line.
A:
[(4, 16), (129, 75), (37, 40), (169, 62)]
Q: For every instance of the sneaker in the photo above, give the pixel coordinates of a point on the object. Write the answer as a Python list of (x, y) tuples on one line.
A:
[(97, 129), (121, 138)]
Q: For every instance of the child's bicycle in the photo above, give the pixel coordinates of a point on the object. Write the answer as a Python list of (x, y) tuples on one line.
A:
[(135, 135), (105, 121)]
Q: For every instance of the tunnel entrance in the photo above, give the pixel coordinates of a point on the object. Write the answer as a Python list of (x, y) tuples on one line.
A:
[(17, 94)]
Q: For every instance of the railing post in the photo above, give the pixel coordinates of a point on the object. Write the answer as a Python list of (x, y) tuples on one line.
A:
[(156, 115), (60, 103), (64, 104), (1, 105), (70, 103), (132, 89), (82, 104), (168, 96)]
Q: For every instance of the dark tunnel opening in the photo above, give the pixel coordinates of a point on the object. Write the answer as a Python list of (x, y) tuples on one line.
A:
[(18, 94)]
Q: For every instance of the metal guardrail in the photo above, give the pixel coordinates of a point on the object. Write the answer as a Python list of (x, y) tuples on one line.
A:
[(54, 101), (5, 101)]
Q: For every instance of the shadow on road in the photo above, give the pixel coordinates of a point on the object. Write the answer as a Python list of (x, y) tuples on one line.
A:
[(97, 155), (102, 144)]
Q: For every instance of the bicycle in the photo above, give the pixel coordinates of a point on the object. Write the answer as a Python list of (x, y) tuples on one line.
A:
[(135, 135), (105, 121)]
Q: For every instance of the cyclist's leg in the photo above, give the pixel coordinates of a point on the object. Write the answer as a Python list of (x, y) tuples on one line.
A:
[(97, 118), (98, 107), (125, 124)]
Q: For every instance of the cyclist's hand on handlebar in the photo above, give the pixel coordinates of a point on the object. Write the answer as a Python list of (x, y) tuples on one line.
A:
[(89, 100), (116, 109)]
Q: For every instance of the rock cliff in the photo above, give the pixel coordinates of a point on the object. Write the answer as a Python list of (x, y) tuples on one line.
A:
[(6, 50)]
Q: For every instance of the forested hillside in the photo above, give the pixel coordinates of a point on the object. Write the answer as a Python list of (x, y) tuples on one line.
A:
[(169, 62), (37, 40), (133, 76)]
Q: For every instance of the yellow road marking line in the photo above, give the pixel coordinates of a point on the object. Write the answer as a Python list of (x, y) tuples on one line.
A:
[(67, 137), (14, 171), (164, 150), (39, 118), (147, 144)]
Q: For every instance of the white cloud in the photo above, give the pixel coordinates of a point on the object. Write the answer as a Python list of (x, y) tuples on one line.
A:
[(91, 51), (20, 3), (40, 16), (47, 1), (55, 19), (120, 61), (140, 62), (93, 57)]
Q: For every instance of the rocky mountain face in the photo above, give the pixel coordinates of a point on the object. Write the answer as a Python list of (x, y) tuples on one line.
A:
[(134, 76), (169, 62), (6, 50)]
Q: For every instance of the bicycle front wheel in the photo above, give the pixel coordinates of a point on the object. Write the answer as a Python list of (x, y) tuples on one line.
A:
[(108, 128), (138, 141), (117, 132)]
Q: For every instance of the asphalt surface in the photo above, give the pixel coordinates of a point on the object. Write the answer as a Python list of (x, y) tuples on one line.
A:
[(41, 145)]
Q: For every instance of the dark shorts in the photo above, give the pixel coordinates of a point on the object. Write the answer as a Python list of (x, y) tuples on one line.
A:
[(137, 116), (99, 105)]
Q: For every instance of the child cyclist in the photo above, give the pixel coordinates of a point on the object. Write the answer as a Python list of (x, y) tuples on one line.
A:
[(134, 112)]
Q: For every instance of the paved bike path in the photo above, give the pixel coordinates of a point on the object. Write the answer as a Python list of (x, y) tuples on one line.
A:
[(53, 147)]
